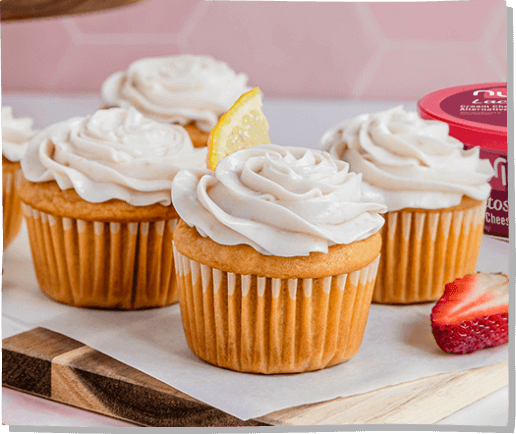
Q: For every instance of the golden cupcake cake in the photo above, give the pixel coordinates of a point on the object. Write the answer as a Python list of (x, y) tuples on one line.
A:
[(190, 90), (16, 132), (97, 202), (276, 255), (435, 192)]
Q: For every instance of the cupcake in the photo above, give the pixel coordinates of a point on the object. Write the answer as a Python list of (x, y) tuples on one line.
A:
[(193, 91), (276, 255), (435, 192), (16, 132), (97, 202)]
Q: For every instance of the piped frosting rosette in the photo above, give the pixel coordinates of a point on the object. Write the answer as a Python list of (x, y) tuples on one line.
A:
[(408, 162), (281, 201), (16, 133), (112, 154), (177, 89)]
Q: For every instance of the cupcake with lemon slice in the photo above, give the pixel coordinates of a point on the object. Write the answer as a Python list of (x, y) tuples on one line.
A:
[(190, 90), (276, 251)]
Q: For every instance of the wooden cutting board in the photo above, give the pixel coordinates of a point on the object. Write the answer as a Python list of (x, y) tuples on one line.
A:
[(48, 364)]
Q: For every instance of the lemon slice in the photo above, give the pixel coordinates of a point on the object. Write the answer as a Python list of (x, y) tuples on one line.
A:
[(242, 126)]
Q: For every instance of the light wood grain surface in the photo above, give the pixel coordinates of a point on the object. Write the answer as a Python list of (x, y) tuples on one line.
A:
[(48, 364), (16, 10)]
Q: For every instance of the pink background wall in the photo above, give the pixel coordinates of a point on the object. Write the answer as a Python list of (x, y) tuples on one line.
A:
[(397, 51)]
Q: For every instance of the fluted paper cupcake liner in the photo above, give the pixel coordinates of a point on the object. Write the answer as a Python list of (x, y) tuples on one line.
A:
[(265, 325), (421, 252), (103, 264), (11, 203)]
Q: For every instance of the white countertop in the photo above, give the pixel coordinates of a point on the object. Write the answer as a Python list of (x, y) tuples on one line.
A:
[(292, 123)]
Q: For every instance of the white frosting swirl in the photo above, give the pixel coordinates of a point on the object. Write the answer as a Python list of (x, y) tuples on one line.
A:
[(16, 132), (177, 89), (112, 154), (408, 162), (281, 201)]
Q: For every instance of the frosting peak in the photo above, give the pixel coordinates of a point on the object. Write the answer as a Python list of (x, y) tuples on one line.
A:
[(408, 162), (176, 89), (281, 201), (16, 132), (112, 154)]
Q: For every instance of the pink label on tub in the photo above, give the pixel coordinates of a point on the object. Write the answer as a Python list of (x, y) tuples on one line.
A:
[(486, 106), (497, 211)]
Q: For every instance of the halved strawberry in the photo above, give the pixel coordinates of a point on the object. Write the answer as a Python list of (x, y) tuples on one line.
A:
[(472, 313)]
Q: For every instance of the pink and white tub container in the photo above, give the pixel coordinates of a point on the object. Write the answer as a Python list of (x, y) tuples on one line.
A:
[(477, 116)]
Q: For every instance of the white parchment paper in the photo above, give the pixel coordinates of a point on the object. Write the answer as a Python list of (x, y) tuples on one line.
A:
[(398, 345)]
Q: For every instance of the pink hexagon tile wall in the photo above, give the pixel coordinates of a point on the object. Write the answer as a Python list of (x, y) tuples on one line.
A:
[(283, 50), (447, 21), (291, 49), (31, 52), (408, 72), (159, 17)]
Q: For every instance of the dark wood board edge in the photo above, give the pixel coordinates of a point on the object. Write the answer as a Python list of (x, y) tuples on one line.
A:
[(50, 365), (16, 10)]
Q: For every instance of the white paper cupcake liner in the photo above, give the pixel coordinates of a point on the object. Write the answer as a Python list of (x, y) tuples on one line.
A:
[(103, 264), (11, 204), (421, 252), (266, 325)]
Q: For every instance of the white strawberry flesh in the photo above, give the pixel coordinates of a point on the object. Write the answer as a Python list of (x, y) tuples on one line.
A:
[(472, 314)]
